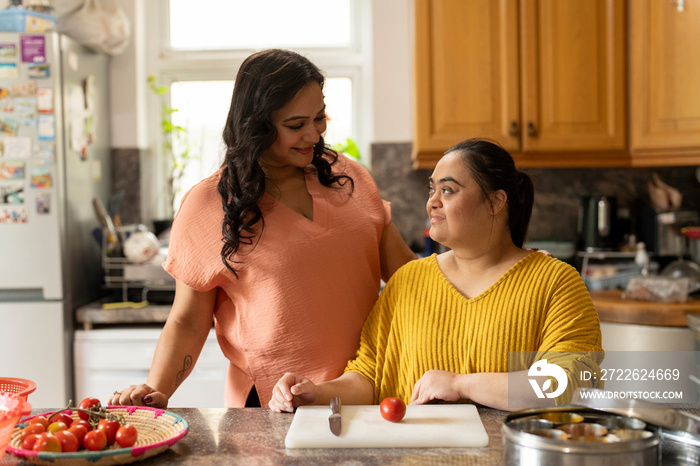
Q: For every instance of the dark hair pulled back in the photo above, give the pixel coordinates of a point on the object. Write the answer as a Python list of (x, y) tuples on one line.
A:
[(266, 82), (493, 168)]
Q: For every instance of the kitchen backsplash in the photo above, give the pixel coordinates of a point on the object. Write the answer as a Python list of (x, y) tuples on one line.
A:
[(555, 214), (557, 191)]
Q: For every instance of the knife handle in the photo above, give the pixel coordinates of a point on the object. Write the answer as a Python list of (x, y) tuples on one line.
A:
[(335, 405)]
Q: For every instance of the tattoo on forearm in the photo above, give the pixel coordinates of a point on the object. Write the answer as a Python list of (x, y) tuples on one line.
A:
[(186, 363)]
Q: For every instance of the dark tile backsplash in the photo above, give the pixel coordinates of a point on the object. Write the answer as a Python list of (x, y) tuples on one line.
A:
[(557, 192), (126, 177)]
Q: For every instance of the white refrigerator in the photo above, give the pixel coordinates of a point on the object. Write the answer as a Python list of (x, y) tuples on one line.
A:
[(54, 159)]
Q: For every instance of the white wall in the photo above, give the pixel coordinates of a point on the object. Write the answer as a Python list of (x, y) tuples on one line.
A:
[(392, 109)]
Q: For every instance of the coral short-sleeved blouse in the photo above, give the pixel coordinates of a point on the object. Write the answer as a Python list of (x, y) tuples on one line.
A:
[(303, 291)]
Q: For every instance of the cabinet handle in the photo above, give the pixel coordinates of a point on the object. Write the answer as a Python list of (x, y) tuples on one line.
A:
[(531, 130), (513, 131)]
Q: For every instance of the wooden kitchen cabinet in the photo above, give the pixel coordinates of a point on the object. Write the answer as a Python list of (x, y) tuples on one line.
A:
[(665, 91), (544, 78)]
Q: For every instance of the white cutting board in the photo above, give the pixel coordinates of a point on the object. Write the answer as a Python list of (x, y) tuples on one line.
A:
[(448, 425)]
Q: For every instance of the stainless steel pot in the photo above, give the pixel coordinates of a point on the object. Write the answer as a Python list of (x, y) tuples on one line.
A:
[(593, 438), (645, 433)]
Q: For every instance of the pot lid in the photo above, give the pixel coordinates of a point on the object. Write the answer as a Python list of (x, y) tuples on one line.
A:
[(652, 413)]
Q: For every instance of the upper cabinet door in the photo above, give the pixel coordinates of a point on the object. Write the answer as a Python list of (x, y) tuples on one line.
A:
[(573, 75), (466, 75), (665, 74)]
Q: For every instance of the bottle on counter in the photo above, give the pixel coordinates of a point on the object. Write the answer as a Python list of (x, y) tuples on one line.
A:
[(641, 259)]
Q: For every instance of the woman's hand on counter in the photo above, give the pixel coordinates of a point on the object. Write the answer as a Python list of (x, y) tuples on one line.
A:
[(139, 395), (291, 391)]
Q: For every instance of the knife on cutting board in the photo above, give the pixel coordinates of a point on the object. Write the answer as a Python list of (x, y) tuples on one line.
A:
[(334, 420)]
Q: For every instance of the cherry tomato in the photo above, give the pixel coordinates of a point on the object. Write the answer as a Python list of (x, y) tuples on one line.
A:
[(87, 403), (68, 441), (47, 442), (80, 422), (126, 436), (79, 431), (63, 417), (29, 440), (110, 429), (95, 440), (57, 426), (392, 409), (31, 429), (39, 420)]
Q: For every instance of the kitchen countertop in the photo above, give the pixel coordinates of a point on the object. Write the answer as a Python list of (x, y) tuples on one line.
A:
[(255, 436), (612, 308), (609, 304), (93, 314)]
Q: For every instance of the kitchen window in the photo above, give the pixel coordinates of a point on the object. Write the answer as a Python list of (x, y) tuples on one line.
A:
[(197, 48)]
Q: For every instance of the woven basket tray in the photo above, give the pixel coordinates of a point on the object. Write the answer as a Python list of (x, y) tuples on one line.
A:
[(158, 430)]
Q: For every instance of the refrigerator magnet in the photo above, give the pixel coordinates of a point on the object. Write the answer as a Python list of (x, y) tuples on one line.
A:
[(11, 170), (38, 70), (13, 216), (46, 129), (8, 50), (43, 203), (23, 89), (45, 153), (44, 100), (33, 49), (18, 148), (8, 127), (41, 178), (12, 193), (9, 70), (25, 110)]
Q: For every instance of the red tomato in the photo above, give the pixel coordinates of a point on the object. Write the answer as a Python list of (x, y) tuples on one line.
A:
[(87, 403), (79, 431), (63, 417), (39, 420), (31, 429), (80, 422), (126, 436), (29, 440), (47, 442), (68, 441), (110, 429), (95, 440), (57, 426), (392, 409)]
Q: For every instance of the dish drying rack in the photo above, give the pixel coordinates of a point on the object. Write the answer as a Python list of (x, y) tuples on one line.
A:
[(119, 273)]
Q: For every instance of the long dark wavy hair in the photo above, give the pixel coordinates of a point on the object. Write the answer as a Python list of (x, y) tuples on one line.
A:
[(266, 82), (493, 168)]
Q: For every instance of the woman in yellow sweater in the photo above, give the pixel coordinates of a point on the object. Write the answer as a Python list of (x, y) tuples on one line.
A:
[(469, 323)]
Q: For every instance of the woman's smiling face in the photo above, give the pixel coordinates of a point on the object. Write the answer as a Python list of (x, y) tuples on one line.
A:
[(299, 125), (456, 205)]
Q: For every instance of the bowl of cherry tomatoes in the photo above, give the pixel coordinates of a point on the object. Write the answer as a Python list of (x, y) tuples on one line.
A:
[(94, 435)]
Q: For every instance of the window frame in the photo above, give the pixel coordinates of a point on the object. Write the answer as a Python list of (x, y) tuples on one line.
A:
[(169, 65)]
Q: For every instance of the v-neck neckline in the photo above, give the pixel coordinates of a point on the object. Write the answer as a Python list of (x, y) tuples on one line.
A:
[(488, 290), (320, 217)]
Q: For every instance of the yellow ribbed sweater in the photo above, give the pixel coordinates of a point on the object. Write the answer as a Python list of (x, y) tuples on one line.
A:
[(421, 322)]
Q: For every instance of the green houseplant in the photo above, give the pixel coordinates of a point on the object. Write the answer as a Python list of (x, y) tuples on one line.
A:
[(175, 144)]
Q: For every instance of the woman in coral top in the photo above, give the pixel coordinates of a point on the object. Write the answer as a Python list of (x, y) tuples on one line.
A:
[(469, 323), (283, 248)]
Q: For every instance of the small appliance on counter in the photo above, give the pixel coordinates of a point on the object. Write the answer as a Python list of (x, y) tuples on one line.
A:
[(660, 231), (598, 228)]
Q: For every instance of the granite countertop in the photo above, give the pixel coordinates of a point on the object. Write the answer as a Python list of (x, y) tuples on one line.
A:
[(255, 436)]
